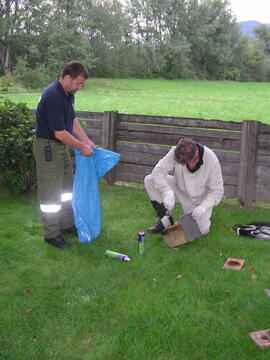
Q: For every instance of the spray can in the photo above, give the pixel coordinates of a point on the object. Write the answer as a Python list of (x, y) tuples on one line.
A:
[(141, 242), (116, 255)]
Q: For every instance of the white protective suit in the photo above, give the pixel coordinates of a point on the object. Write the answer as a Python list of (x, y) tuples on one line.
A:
[(204, 187)]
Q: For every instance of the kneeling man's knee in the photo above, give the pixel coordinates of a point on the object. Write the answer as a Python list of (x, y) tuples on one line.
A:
[(147, 179), (205, 231), (204, 227)]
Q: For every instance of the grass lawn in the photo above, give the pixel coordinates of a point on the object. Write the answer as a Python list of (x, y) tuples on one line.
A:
[(224, 100), (77, 304)]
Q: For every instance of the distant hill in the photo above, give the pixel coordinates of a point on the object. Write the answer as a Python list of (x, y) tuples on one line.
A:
[(246, 27)]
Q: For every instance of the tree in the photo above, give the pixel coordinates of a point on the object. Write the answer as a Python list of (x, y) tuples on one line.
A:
[(158, 31), (8, 25), (23, 23), (107, 30), (262, 32), (143, 38), (64, 38), (210, 32)]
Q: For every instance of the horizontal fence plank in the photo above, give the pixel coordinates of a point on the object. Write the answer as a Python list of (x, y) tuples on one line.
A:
[(263, 151), (143, 148), (129, 177), (263, 160), (230, 180), (263, 144), (264, 129), (228, 156), (96, 139), (172, 139), (230, 191), (182, 121), (178, 129), (230, 169), (140, 158), (263, 140), (89, 115), (134, 168), (144, 133), (162, 150), (263, 176), (92, 124), (93, 132), (262, 194)]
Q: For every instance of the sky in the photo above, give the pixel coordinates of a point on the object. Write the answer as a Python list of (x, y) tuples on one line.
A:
[(251, 10)]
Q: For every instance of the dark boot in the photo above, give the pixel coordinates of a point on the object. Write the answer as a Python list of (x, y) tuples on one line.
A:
[(57, 241), (161, 212), (156, 228)]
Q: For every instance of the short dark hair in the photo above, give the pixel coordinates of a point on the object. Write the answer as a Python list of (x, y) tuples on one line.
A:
[(185, 150), (75, 69)]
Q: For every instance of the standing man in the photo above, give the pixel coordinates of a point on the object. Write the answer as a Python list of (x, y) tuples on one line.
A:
[(196, 184), (56, 129)]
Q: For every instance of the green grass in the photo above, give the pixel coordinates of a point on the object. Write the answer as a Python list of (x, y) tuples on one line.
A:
[(78, 304), (224, 100)]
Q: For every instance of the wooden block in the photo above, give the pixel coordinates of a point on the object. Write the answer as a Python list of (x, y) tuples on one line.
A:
[(261, 338), (234, 264), (174, 235)]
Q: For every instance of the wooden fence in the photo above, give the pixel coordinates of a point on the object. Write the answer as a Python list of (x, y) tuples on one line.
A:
[(243, 148)]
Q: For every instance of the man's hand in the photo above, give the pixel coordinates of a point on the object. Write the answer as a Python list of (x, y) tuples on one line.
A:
[(80, 134), (198, 212), (169, 200), (66, 138), (86, 150)]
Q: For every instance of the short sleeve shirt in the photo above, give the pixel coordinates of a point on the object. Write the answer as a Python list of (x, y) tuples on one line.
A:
[(55, 111)]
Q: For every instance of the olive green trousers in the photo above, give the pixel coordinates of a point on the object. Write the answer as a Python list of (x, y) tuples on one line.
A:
[(55, 180)]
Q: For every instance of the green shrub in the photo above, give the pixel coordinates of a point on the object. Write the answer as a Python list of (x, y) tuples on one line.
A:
[(31, 78), (17, 165), (5, 84)]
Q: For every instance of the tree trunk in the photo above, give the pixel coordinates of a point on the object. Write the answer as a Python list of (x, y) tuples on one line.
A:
[(6, 64)]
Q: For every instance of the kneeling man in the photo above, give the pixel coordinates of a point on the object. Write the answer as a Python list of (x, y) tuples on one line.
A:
[(196, 184)]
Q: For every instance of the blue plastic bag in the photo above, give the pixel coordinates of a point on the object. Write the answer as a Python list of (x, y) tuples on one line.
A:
[(85, 199)]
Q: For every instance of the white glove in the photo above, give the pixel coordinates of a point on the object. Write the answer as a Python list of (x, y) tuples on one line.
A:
[(198, 212), (169, 200)]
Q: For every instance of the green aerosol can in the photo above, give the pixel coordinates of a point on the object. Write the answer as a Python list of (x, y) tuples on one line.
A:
[(116, 255), (141, 242)]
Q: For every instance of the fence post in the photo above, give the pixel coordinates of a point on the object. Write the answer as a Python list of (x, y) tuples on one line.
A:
[(109, 138), (247, 169)]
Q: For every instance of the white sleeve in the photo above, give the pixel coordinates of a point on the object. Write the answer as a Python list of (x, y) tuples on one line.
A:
[(215, 186), (161, 170)]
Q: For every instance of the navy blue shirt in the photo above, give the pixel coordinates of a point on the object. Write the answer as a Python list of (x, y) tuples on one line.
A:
[(55, 111)]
